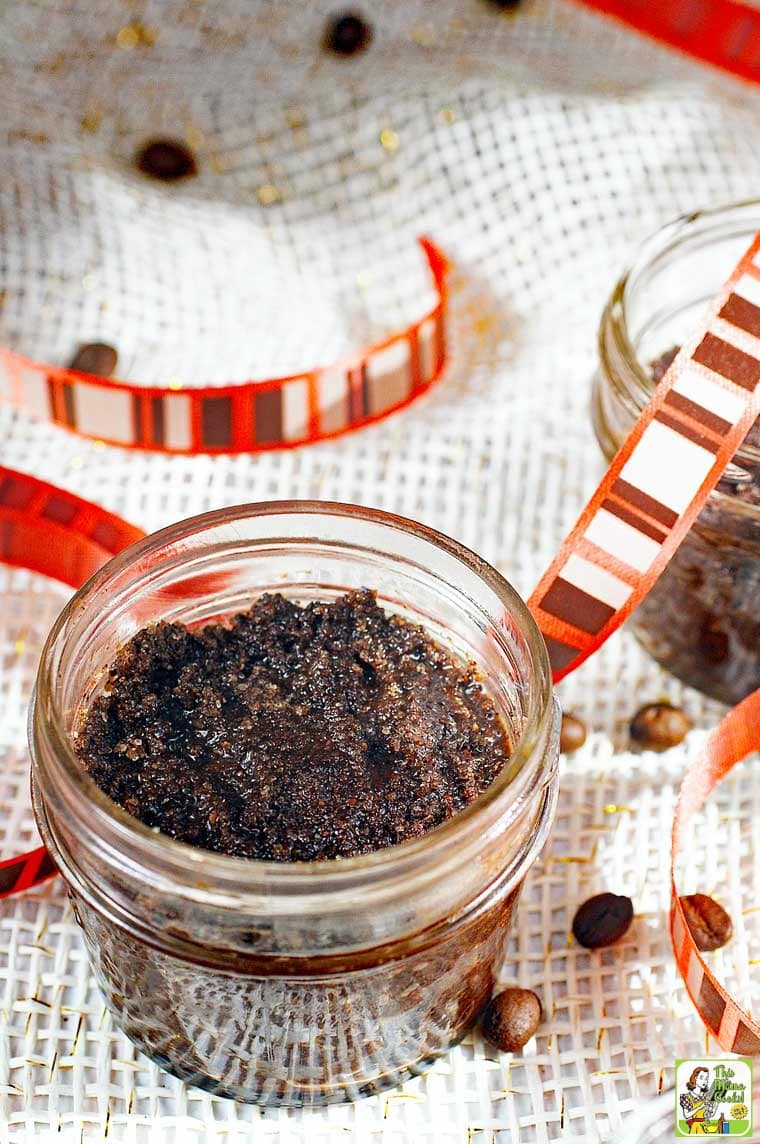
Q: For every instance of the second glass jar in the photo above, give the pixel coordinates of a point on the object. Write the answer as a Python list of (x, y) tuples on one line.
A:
[(701, 619)]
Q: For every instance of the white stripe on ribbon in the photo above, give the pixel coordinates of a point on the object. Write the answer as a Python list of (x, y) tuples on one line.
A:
[(710, 395), (748, 287), (687, 466), (596, 581), (295, 410), (622, 540), (177, 431)]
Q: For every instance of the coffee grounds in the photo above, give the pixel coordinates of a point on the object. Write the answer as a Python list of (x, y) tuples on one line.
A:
[(292, 733)]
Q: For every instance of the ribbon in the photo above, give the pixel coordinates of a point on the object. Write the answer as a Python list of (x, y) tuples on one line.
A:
[(48, 530), (660, 478), (724, 33), (250, 417)]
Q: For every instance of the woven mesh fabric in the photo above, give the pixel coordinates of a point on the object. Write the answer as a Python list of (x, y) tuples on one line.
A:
[(537, 149)]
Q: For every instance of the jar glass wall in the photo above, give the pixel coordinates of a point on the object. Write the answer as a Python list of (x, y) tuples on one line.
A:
[(296, 983), (701, 620)]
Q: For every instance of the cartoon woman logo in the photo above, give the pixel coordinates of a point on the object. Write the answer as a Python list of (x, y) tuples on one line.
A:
[(698, 1105)]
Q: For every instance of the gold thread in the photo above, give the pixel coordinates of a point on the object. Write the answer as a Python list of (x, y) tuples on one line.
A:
[(389, 139)]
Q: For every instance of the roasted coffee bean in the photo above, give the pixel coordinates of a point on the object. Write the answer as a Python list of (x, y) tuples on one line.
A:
[(511, 1018), (167, 160), (710, 925), (573, 733), (95, 357), (348, 35), (602, 920), (658, 726)]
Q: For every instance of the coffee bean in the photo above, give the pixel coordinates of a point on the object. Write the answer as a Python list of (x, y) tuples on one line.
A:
[(658, 726), (602, 920), (348, 35), (511, 1018), (572, 734), (710, 925), (167, 160), (95, 357)]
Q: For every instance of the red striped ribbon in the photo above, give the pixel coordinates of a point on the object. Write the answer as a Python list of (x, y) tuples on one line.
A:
[(660, 478), (724, 33), (50, 531), (253, 416)]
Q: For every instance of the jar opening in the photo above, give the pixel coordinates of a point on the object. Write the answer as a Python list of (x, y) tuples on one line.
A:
[(658, 302)]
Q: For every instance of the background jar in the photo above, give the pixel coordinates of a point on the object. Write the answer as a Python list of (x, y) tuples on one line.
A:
[(296, 983), (702, 618)]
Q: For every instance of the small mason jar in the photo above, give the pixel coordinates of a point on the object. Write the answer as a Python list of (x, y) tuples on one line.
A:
[(299, 983), (701, 620)]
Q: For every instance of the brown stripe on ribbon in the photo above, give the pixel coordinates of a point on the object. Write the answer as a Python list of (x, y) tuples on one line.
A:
[(47, 867), (739, 312), (576, 607), (414, 357), (68, 403), (440, 339), (365, 390), (15, 494), (268, 416), (52, 395), (216, 422), (746, 1044), (356, 387), (624, 514), (687, 431), (107, 534), (698, 413), (138, 429), (654, 508), (59, 510), (711, 1004), (157, 427), (560, 654), (727, 360), (10, 874)]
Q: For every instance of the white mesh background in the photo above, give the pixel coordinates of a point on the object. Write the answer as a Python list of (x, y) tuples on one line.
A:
[(537, 149)]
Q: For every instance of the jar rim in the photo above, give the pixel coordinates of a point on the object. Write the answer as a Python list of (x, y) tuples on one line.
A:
[(654, 246), (188, 862)]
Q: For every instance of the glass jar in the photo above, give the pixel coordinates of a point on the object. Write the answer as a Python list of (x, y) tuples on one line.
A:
[(296, 983), (701, 620)]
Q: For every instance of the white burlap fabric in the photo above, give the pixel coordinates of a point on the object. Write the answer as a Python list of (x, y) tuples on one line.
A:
[(536, 149)]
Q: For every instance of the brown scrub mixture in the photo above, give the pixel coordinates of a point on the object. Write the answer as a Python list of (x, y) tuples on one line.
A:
[(292, 733)]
